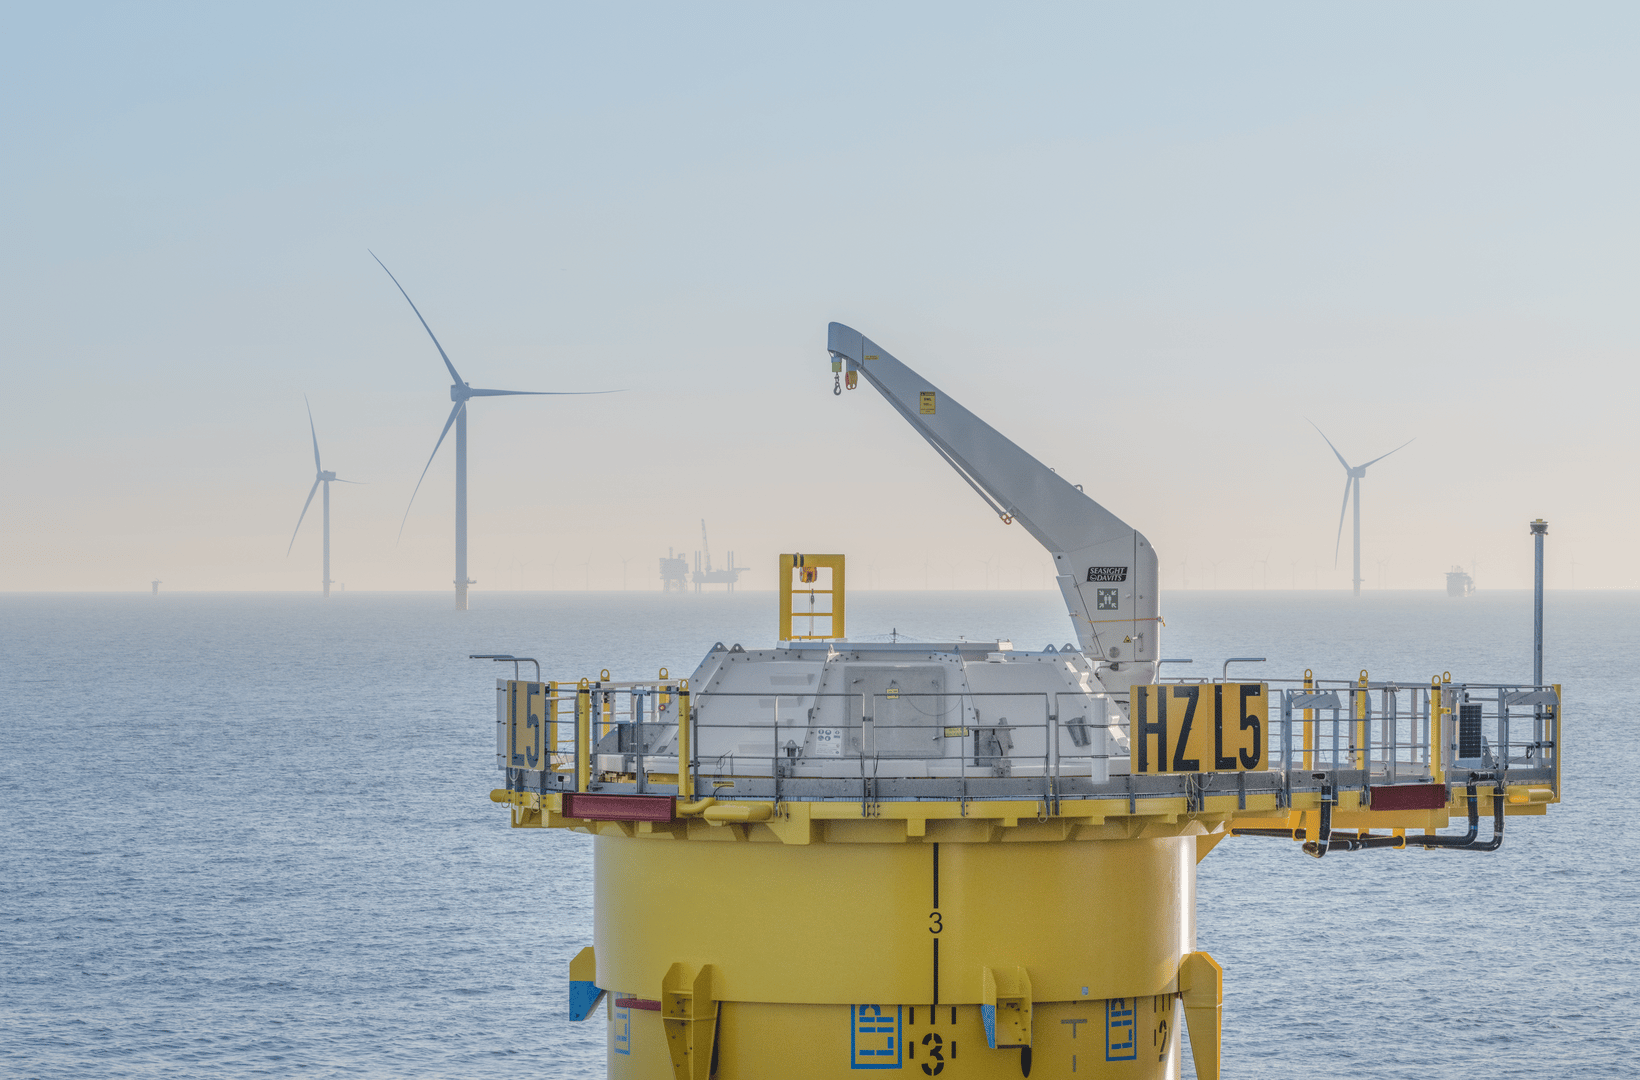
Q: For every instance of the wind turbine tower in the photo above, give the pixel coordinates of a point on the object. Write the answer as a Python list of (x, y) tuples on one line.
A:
[(1352, 485), (320, 476), (460, 393)]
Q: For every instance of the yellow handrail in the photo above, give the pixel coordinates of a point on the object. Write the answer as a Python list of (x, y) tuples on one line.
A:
[(583, 735), (686, 787)]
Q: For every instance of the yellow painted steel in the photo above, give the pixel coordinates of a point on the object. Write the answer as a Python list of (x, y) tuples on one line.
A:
[(746, 938), (794, 581), (1309, 726), (1200, 727), (792, 939), (1121, 1039), (527, 740), (583, 735), (1358, 741), (1437, 731), (686, 771)]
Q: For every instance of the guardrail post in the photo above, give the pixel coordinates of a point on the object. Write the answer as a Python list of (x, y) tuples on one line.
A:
[(1363, 707), (686, 786), (1287, 748), (1309, 721), (583, 736)]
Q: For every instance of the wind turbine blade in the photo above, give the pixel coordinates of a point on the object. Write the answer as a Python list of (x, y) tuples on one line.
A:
[(1381, 457), (360, 483), (424, 325), (1324, 438), (314, 432), (1340, 541), (454, 411), (548, 393), (311, 492)]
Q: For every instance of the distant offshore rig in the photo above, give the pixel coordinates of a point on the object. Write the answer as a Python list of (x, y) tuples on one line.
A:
[(675, 575)]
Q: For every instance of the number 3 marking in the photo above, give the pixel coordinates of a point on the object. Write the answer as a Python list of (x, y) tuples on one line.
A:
[(939, 922)]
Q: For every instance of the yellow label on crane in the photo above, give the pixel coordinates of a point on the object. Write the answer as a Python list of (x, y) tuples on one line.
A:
[(1200, 727), (925, 403)]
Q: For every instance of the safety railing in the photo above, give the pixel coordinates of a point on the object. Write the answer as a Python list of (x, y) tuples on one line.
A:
[(630, 737)]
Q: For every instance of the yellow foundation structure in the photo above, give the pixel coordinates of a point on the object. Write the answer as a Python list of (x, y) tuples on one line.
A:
[(866, 924), (811, 945)]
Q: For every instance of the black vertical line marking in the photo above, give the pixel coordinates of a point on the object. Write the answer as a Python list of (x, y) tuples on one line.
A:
[(936, 875), (936, 971)]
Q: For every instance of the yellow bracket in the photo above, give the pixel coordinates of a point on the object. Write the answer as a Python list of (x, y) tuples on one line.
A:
[(689, 1007), (737, 813), (1201, 985), (799, 577), (1005, 1006)]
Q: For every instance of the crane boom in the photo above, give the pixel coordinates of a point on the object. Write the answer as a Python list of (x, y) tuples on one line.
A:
[(1107, 570)]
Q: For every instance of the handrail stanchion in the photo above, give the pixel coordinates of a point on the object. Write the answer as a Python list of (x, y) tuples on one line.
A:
[(552, 724), (583, 736), (1287, 747), (640, 777), (1309, 718), (1050, 733), (686, 786)]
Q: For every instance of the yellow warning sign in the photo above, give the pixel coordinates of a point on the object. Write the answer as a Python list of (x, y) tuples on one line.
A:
[(925, 403), (1201, 727)]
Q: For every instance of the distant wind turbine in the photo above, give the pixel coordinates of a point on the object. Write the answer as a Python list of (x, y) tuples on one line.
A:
[(321, 476), (1352, 479), (460, 392)]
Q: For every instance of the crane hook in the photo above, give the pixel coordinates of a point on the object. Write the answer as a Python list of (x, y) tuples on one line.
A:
[(837, 385)]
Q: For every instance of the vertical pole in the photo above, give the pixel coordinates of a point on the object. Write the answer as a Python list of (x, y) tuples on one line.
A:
[(686, 787), (461, 509), (551, 720), (583, 736), (1357, 482), (327, 537), (1309, 726), (1539, 528)]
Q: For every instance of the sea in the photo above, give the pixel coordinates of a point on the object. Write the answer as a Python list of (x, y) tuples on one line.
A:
[(250, 835)]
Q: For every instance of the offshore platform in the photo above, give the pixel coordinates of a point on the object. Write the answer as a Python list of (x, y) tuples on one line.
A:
[(727, 576), (674, 572), (962, 859)]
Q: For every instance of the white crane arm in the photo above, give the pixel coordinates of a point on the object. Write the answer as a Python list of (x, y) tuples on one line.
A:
[(1107, 570)]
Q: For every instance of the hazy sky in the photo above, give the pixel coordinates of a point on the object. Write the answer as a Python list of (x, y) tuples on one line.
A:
[(1147, 242)]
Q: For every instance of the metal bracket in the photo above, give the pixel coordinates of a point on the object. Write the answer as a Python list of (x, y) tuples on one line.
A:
[(689, 1013)]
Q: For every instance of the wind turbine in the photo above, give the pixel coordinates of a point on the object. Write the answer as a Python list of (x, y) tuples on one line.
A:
[(321, 476), (460, 392), (1352, 478)]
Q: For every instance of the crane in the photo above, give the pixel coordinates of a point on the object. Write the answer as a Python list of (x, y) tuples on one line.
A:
[(1106, 570)]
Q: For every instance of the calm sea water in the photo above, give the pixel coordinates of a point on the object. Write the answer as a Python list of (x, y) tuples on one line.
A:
[(250, 836)]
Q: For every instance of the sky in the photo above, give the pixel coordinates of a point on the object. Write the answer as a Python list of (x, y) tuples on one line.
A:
[(1151, 243)]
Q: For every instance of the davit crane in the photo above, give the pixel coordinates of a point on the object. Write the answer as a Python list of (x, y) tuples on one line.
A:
[(1106, 569), (960, 859)]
